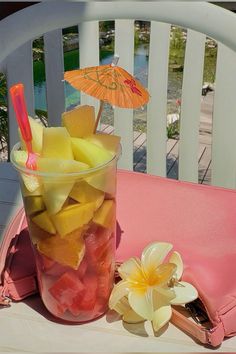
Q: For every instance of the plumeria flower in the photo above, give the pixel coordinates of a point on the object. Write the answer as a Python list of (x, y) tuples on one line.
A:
[(149, 287)]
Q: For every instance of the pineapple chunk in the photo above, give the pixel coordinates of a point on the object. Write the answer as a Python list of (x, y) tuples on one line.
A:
[(34, 204), (44, 222), (106, 141), (66, 252), (73, 217), (56, 143), (105, 215), (82, 192), (89, 153), (80, 121), (37, 136)]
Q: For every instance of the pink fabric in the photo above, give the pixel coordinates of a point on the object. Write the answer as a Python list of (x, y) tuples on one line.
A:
[(200, 221)]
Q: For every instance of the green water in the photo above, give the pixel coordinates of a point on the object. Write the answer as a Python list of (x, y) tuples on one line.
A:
[(71, 61)]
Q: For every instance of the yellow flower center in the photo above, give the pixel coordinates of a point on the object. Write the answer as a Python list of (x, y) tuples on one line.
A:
[(151, 277)]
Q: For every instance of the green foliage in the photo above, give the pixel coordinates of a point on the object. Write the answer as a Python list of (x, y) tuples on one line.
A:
[(177, 46), (105, 26), (173, 130), (38, 49)]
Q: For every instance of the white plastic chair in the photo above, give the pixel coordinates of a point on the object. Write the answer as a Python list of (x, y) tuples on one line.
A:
[(201, 19)]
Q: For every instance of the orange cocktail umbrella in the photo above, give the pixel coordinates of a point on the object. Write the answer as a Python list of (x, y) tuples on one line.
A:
[(109, 83)]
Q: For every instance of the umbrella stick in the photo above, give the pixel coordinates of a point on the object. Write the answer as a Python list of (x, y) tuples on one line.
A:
[(99, 115)]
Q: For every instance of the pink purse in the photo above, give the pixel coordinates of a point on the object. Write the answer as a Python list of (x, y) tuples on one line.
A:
[(198, 220), (17, 266)]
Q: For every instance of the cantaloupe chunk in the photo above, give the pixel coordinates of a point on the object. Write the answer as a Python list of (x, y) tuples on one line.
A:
[(82, 192), (37, 136), (56, 143), (107, 141), (31, 182), (73, 217), (105, 215), (80, 121), (44, 222), (89, 153), (34, 204), (66, 252)]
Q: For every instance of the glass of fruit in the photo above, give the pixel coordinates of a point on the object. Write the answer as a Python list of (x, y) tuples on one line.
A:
[(70, 204)]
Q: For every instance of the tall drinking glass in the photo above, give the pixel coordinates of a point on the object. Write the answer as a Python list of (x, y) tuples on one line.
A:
[(72, 223)]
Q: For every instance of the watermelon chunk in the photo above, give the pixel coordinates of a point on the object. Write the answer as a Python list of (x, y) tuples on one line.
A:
[(88, 300), (66, 289), (104, 286)]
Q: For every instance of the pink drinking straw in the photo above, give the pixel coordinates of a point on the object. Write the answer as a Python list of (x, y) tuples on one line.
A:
[(19, 105)]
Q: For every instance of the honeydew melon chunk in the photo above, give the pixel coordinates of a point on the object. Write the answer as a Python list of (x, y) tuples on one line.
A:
[(26, 193), (31, 182), (56, 190), (82, 192), (80, 121), (34, 204), (37, 136), (105, 215), (73, 217), (56, 143), (66, 252), (44, 222), (89, 153), (107, 141), (104, 180), (54, 165), (55, 193)]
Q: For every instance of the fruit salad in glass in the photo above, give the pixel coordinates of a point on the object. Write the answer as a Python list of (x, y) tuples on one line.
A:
[(70, 204)]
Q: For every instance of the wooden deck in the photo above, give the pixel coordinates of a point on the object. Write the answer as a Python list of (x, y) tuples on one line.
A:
[(139, 164), (204, 156)]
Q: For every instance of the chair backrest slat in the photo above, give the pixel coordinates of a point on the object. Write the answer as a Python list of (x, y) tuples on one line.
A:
[(54, 66), (190, 106), (224, 120), (89, 53), (20, 69), (157, 107), (123, 118)]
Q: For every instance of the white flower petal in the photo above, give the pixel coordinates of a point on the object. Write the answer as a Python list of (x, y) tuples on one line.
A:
[(177, 260), (161, 316), (165, 293), (185, 293), (142, 304), (131, 316), (164, 273), (130, 268), (122, 306), (154, 254), (120, 290)]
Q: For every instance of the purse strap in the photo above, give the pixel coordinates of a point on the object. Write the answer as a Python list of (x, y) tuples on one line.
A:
[(213, 336)]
